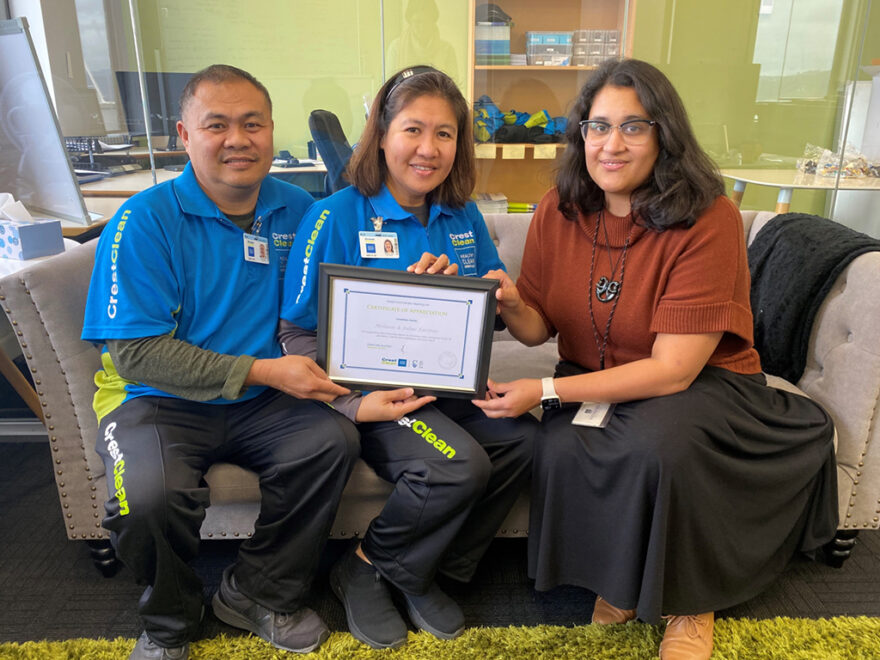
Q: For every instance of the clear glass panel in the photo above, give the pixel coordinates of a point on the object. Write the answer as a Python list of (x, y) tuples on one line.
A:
[(33, 164), (761, 90), (761, 80), (420, 32), (798, 66)]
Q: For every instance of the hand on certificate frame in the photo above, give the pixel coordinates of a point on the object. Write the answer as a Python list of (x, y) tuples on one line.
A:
[(507, 294), (389, 405), (297, 376), (428, 263), (510, 399)]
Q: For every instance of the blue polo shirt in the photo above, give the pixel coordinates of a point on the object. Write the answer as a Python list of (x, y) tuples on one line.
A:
[(170, 262), (330, 234)]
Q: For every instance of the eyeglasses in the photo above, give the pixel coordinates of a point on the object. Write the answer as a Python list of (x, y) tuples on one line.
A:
[(633, 132)]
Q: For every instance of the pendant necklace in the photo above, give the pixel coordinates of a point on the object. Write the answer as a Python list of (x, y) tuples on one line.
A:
[(607, 290)]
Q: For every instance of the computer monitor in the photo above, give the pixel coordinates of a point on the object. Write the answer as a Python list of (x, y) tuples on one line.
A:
[(163, 93)]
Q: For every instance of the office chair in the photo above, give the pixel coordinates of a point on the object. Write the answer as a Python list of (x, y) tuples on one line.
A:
[(332, 146)]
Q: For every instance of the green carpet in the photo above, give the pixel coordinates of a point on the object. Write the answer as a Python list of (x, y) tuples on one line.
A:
[(840, 638)]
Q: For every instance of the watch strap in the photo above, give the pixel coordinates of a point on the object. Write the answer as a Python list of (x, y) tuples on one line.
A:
[(548, 391), (549, 397)]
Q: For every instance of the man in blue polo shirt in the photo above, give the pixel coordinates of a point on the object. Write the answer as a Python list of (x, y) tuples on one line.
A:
[(185, 298)]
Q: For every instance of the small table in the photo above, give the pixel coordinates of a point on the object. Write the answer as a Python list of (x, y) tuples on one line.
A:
[(788, 180)]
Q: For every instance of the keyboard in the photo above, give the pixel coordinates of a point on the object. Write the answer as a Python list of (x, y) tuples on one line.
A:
[(107, 169), (95, 145)]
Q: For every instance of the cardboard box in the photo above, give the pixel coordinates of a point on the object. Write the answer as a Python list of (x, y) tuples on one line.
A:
[(26, 240)]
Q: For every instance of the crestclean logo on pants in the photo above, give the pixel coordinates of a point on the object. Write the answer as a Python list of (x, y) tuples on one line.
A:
[(118, 467), (423, 430)]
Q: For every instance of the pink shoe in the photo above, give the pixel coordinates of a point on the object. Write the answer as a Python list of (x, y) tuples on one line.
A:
[(605, 613), (688, 637)]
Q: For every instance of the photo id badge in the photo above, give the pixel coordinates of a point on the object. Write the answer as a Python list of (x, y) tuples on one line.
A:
[(593, 414), (379, 245), (256, 249)]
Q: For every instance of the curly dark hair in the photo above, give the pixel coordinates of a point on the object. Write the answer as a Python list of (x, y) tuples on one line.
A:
[(684, 181), (367, 170)]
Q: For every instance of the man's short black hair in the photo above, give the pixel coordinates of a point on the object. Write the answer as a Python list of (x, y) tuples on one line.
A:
[(217, 74)]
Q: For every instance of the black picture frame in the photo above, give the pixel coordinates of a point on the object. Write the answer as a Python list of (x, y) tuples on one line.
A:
[(477, 296)]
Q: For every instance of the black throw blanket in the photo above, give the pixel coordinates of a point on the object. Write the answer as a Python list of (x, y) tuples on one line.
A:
[(794, 260)]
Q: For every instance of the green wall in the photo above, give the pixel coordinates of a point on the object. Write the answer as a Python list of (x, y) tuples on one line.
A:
[(309, 53)]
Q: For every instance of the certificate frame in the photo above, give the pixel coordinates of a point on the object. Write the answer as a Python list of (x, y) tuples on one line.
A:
[(377, 329)]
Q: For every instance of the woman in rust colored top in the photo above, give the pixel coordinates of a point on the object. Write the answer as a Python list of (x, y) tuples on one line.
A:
[(688, 484)]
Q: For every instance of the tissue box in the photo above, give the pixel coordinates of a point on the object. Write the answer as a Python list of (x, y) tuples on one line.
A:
[(26, 240)]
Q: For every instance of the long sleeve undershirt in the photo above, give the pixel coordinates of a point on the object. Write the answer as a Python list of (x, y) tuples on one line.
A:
[(180, 368), (297, 341)]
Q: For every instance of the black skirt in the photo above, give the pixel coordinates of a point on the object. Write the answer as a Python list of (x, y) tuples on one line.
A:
[(686, 503)]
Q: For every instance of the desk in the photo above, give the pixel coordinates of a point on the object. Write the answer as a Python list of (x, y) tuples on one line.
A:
[(127, 185), (788, 180), (71, 229), (107, 195)]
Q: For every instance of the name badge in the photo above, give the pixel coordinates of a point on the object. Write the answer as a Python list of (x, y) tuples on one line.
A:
[(256, 249), (593, 414), (379, 245)]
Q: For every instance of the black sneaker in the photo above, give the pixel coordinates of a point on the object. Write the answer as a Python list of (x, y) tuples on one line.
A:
[(301, 632), (435, 612), (369, 610), (146, 649)]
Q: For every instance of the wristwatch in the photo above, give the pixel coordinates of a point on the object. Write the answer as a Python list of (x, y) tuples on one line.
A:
[(549, 398)]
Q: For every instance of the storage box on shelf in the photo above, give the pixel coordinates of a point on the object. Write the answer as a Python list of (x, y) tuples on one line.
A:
[(562, 42), (492, 43)]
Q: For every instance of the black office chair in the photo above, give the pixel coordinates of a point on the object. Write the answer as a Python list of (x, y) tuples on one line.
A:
[(332, 146)]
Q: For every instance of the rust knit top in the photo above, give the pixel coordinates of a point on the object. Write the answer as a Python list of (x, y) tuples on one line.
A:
[(679, 281)]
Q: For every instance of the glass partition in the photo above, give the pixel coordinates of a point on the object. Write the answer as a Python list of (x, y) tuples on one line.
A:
[(765, 81), (770, 94)]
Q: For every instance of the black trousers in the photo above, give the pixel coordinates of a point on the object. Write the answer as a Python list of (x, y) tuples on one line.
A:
[(156, 451), (456, 474)]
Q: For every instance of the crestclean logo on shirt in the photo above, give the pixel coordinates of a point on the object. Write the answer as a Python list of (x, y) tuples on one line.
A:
[(113, 300), (310, 245), (282, 241), (462, 240), (423, 430)]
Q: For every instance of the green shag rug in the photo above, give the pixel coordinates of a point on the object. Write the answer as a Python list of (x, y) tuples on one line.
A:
[(840, 638)]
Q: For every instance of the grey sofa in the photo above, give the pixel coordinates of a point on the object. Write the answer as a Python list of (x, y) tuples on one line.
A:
[(45, 302)]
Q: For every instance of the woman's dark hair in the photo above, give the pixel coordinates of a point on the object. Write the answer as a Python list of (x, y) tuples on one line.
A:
[(367, 169), (684, 181)]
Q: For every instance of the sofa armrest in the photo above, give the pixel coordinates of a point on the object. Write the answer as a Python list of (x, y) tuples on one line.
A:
[(44, 303), (843, 374)]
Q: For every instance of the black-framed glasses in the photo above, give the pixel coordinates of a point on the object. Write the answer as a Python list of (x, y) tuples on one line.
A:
[(633, 131)]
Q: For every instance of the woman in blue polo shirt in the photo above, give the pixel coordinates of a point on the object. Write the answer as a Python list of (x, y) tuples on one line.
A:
[(408, 208)]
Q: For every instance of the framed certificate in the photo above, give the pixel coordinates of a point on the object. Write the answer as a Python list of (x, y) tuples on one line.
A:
[(384, 329)]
